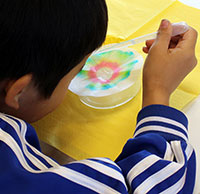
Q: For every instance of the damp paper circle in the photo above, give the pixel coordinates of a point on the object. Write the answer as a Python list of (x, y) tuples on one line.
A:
[(108, 73)]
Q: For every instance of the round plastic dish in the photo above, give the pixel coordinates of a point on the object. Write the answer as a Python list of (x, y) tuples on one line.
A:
[(121, 88), (113, 100)]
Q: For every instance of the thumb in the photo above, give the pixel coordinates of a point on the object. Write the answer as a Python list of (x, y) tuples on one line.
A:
[(164, 35)]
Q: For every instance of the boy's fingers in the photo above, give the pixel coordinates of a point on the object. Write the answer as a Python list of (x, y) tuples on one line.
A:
[(145, 50), (189, 39), (164, 35), (149, 43)]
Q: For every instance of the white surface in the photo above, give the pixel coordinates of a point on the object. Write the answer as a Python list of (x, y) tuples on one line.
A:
[(193, 3), (193, 113)]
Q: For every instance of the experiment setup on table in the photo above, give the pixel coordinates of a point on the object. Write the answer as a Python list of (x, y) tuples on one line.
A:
[(112, 75), (99, 112)]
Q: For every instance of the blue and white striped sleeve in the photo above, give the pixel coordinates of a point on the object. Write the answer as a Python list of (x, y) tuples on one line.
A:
[(159, 158)]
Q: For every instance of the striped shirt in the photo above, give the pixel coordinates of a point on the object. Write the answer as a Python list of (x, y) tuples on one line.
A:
[(158, 159)]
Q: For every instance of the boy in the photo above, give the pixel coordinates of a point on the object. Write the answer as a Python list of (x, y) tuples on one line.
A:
[(43, 45)]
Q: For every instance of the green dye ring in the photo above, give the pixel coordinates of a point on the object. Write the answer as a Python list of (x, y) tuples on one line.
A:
[(105, 70)]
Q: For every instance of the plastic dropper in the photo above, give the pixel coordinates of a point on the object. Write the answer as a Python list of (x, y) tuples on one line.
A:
[(178, 28)]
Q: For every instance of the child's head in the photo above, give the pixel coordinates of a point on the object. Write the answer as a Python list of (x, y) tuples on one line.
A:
[(43, 45)]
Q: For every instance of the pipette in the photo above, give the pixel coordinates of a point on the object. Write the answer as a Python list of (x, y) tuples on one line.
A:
[(178, 28)]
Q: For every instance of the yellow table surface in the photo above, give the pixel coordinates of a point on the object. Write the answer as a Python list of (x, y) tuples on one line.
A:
[(83, 132)]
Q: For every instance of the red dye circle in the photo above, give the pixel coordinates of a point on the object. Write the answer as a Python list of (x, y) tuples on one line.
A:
[(104, 64)]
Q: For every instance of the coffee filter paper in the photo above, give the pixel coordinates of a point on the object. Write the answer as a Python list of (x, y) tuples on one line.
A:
[(107, 73)]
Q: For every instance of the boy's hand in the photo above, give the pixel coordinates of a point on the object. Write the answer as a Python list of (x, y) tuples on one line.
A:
[(168, 62)]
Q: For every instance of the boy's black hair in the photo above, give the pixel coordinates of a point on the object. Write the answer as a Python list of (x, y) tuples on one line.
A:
[(47, 38)]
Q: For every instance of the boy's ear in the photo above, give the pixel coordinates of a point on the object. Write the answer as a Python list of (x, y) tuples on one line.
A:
[(14, 89)]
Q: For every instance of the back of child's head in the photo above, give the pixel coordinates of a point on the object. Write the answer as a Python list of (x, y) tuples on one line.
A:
[(47, 38)]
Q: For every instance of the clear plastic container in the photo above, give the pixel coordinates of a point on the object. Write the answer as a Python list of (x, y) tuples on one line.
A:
[(109, 79)]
